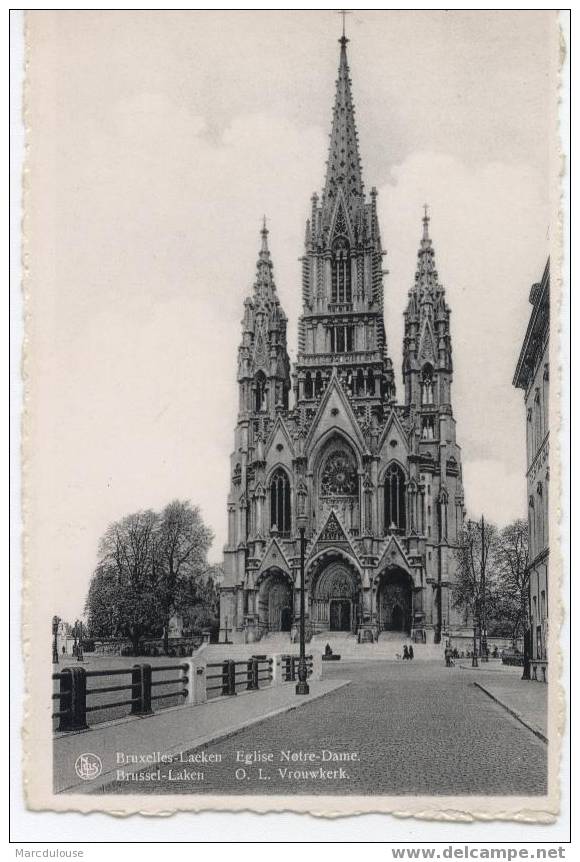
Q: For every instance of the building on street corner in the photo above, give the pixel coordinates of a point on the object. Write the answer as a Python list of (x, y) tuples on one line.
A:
[(380, 480), (533, 376)]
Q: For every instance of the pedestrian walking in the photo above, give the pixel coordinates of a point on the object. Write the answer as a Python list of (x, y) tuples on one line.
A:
[(411, 653), (405, 652), (447, 657)]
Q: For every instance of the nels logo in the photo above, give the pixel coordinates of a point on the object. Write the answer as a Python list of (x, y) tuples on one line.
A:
[(88, 766)]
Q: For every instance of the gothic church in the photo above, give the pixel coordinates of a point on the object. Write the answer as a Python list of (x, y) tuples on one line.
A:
[(379, 481)]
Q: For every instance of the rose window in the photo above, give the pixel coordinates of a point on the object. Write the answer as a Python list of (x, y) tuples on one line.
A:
[(339, 476)]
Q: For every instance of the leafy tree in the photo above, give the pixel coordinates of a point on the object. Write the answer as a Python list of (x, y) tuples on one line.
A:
[(181, 544), (122, 598), (199, 602), (512, 577), (474, 589), (150, 567)]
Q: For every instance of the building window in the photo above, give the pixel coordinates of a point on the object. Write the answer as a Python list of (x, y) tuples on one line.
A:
[(308, 385), (341, 274), (539, 418), (428, 428), (540, 518), (339, 476), (427, 384), (260, 403), (341, 338), (318, 384), (280, 507), (395, 510)]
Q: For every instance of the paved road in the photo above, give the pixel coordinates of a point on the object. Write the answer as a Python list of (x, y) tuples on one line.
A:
[(414, 728)]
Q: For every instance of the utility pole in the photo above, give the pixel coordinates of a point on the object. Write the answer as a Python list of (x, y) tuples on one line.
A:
[(483, 621)]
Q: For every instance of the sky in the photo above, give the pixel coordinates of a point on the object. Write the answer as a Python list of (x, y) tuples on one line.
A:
[(158, 140)]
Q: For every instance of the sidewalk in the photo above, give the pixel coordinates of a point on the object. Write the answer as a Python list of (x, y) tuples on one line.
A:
[(493, 664), (527, 701), (171, 731)]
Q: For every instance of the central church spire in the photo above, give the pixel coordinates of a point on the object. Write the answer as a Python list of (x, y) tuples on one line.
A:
[(343, 169), (342, 327)]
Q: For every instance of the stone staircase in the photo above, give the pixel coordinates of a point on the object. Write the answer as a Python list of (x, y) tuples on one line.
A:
[(274, 643), (388, 648)]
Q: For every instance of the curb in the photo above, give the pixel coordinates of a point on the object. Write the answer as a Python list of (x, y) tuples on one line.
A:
[(513, 713), (109, 777)]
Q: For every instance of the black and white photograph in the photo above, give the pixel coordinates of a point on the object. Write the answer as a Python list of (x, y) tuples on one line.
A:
[(291, 467)]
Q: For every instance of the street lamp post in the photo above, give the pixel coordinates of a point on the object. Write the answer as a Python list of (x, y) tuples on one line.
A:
[(302, 686), (474, 662), (55, 622)]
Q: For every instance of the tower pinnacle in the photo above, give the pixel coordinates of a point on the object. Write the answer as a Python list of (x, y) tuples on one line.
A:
[(343, 166)]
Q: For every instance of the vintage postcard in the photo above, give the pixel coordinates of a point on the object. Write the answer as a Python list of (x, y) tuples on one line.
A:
[(290, 442)]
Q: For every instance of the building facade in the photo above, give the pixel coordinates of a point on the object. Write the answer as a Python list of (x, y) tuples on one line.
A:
[(533, 376), (380, 481)]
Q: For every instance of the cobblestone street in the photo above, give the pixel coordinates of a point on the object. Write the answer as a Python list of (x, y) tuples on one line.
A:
[(414, 728)]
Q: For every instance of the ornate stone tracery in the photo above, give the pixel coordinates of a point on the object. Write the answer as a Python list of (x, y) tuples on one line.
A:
[(339, 475), (357, 467)]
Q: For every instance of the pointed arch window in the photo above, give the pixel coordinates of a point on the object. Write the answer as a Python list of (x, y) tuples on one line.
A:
[(318, 384), (280, 505), (427, 384), (260, 403), (308, 385), (341, 271), (395, 509)]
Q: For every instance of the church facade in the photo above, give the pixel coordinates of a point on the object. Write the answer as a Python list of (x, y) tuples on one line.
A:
[(379, 480)]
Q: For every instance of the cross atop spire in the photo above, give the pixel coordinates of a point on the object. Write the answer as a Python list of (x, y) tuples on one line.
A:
[(426, 220), (343, 166), (264, 251), (344, 13)]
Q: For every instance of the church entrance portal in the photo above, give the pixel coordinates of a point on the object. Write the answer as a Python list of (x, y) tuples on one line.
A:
[(335, 598), (340, 613), (275, 603), (394, 601)]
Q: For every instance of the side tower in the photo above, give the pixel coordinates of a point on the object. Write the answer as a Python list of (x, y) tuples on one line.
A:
[(435, 457), (264, 385)]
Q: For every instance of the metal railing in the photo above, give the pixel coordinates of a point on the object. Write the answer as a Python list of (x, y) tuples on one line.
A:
[(224, 678), (290, 667), (73, 692)]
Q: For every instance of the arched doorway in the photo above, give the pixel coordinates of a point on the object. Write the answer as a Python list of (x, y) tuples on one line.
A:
[(275, 602), (335, 598), (394, 601)]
